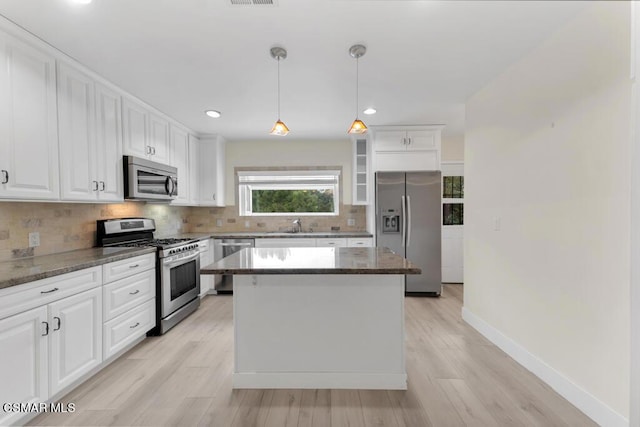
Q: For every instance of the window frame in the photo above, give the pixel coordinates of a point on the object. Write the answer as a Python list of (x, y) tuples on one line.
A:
[(317, 179)]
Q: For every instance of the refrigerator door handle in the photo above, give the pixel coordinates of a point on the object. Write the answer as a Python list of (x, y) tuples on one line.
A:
[(404, 222), (408, 220)]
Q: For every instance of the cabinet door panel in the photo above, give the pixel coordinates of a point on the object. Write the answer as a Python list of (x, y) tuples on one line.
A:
[(134, 121), (159, 134), (109, 144), (76, 337), (28, 122), (23, 360), (76, 119), (194, 170), (180, 150), (421, 140), (390, 140)]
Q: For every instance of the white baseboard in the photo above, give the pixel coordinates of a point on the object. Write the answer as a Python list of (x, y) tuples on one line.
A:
[(579, 397), (321, 380)]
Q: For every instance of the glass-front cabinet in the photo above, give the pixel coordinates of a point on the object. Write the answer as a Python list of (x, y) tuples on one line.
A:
[(361, 176)]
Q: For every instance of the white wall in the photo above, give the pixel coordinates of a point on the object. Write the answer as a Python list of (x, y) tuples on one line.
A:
[(547, 151), (289, 152)]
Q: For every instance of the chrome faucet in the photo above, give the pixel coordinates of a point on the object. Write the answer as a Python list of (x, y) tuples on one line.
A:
[(297, 226)]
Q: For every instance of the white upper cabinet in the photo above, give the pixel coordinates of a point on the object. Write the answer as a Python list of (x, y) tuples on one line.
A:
[(90, 138), (145, 134), (411, 139), (136, 133), (361, 168), (159, 139), (212, 171), (109, 144), (28, 122), (194, 170), (406, 148), (180, 151)]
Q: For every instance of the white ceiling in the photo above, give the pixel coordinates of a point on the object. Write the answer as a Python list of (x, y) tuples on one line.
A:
[(423, 60)]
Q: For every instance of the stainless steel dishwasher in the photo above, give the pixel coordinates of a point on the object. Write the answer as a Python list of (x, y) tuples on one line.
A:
[(223, 248)]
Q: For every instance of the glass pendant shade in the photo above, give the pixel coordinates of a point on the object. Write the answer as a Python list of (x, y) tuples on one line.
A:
[(279, 128), (357, 127)]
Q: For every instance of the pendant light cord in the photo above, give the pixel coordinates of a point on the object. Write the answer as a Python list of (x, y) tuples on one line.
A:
[(357, 84), (278, 88)]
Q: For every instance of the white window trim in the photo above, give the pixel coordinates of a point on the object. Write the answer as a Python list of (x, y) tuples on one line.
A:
[(287, 180)]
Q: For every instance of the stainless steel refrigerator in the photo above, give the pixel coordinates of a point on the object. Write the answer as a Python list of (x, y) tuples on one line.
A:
[(408, 221)]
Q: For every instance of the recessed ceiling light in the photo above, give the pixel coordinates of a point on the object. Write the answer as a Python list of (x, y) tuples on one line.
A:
[(213, 113), (369, 111), (81, 1)]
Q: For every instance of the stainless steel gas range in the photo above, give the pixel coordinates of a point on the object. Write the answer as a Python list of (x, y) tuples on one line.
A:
[(177, 267)]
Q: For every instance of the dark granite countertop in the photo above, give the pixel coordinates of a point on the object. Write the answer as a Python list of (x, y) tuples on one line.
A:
[(270, 234), (26, 270), (312, 261)]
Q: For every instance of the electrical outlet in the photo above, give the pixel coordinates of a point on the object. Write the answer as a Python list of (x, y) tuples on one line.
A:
[(351, 222), (218, 222), (247, 224), (34, 239)]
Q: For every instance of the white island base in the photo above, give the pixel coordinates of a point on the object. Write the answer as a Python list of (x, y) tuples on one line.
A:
[(343, 331)]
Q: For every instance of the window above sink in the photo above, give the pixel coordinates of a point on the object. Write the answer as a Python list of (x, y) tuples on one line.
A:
[(287, 192)]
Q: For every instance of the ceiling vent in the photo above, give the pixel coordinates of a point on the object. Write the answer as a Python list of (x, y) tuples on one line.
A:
[(254, 2)]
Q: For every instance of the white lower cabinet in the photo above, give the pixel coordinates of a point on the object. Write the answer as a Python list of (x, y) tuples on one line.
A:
[(130, 302), (126, 328), (23, 361), (206, 258), (54, 332), (75, 343), (363, 242), (320, 242)]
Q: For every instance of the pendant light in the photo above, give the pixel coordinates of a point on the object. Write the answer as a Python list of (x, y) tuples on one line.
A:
[(279, 128), (358, 126)]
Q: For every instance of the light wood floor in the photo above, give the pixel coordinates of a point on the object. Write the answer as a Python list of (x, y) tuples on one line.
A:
[(456, 378)]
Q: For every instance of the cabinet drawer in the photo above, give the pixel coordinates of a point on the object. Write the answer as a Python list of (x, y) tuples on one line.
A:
[(365, 242), (203, 245), (331, 242), (20, 298), (124, 294), (294, 242), (126, 328), (120, 269)]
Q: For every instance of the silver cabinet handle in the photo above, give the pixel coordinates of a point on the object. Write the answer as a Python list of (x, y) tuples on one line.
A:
[(49, 291), (95, 185), (134, 326), (408, 220), (59, 323), (137, 291), (153, 150), (5, 176), (147, 149), (134, 265), (410, 140), (404, 222), (46, 329), (214, 196), (102, 186)]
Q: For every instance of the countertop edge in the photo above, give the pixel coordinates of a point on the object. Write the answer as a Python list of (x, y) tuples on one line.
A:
[(33, 277), (273, 235), (311, 271)]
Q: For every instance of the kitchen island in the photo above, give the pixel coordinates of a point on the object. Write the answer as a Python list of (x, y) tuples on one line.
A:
[(318, 317)]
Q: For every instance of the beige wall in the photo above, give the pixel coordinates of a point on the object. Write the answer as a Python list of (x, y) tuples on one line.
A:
[(547, 151), (288, 152), (452, 148)]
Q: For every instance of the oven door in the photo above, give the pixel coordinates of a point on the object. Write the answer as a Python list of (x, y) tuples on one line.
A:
[(180, 280)]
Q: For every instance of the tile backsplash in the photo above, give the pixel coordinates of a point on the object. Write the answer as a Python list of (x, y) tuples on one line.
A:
[(69, 226)]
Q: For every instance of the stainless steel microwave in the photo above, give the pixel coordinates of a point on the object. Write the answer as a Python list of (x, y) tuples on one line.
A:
[(147, 180)]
